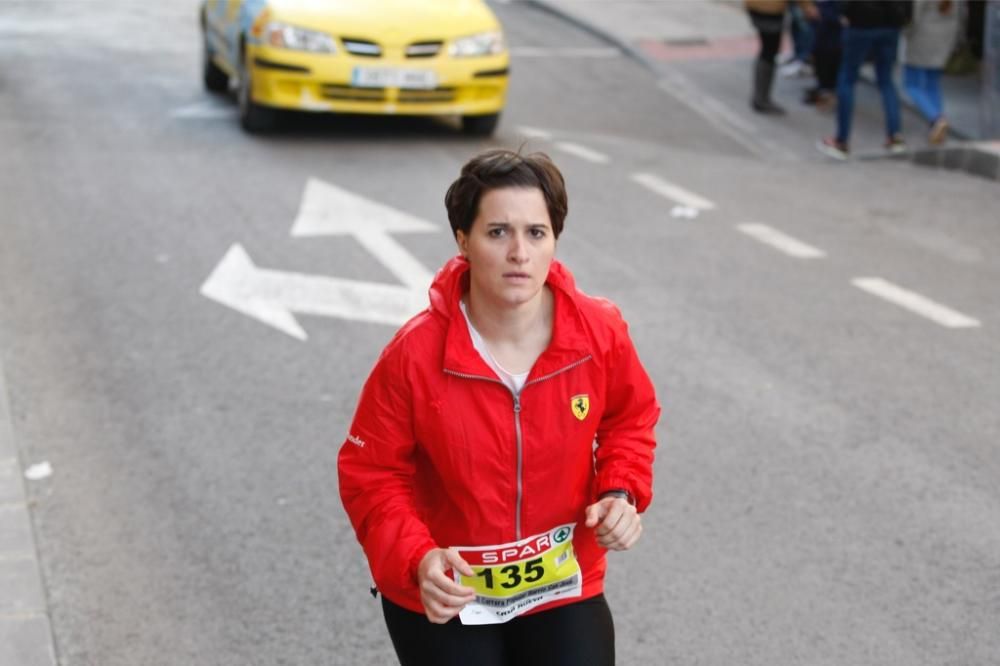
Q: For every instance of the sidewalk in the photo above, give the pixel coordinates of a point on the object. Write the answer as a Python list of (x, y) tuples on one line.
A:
[(702, 54), (25, 631)]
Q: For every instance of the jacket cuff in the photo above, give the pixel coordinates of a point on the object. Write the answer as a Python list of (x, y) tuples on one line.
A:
[(620, 493), (639, 499), (414, 564)]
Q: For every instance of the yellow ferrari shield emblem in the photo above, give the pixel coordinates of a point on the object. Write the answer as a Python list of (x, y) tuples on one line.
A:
[(580, 404)]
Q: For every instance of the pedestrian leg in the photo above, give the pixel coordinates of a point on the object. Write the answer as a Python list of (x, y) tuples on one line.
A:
[(855, 50), (915, 82), (932, 89), (886, 45), (769, 29)]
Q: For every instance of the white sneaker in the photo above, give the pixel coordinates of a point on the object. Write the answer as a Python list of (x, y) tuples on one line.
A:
[(791, 69)]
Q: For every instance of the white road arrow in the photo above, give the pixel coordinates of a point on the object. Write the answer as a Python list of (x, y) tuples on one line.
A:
[(272, 296), (328, 210)]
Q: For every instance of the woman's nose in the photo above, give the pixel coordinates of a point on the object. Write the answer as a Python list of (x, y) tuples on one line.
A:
[(518, 249)]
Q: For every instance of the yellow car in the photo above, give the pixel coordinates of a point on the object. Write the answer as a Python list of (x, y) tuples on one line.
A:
[(408, 57)]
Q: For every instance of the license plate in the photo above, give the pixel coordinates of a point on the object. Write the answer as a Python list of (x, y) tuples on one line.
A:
[(393, 77)]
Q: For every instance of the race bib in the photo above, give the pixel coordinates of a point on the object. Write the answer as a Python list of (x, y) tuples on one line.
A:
[(512, 578)]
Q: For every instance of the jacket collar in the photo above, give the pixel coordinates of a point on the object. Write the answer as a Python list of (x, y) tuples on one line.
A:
[(570, 342)]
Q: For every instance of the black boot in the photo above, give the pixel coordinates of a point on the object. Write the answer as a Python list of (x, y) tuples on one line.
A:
[(763, 77)]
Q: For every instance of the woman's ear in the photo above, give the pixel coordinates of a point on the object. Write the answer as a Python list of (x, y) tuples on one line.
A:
[(462, 241)]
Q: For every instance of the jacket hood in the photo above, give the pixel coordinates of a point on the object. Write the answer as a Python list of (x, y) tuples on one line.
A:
[(452, 280), (570, 340)]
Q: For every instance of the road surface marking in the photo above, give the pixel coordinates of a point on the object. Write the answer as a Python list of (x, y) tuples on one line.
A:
[(780, 241), (205, 110), (565, 52), (675, 193), (683, 212), (583, 152), (697, 47), (534, 132), (328, 210), (273, 296), (915, 303)]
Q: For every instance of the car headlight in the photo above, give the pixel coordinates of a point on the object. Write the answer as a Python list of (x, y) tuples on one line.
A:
[(286, 36), (482, 44)]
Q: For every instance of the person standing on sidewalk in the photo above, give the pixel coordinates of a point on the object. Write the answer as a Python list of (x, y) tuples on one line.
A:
[(768, 18), (871, 29), (929, 39), (503, 443), (826, 55)]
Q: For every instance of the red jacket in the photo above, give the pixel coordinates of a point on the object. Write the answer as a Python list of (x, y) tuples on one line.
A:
[(441, 453)]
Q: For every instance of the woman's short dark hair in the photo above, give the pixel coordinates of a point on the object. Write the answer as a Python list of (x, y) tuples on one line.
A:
[(500, 168)]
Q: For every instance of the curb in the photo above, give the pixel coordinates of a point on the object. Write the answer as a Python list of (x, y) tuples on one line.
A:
[(676, 86), (25, 628), (602, 34), (980, 158)]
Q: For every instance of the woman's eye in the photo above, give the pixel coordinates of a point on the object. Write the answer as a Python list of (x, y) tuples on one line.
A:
[(496, 232), (538, 233)]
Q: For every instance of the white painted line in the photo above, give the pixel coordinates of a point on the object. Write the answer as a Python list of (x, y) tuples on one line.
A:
[(567, 52), (583, 152), (675, 193), (209, 110), (683, 212), (780, 241), (26, 615), (15, 556), (915, 303), (534, 132)]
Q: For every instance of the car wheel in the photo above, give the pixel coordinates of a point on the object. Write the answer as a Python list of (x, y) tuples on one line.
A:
[(480, 125), (215, 79), (254, 118)]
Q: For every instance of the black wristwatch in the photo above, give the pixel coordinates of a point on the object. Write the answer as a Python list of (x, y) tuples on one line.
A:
[(619, 492)]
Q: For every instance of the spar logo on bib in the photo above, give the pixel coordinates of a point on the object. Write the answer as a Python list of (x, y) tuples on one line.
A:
[(561, 534), (580, 404)]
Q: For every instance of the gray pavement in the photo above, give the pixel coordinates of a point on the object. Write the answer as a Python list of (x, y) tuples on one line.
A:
[(25, 632), (693, 46), (826, 486)]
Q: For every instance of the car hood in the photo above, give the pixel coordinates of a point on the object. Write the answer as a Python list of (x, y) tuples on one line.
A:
[(388, 21)]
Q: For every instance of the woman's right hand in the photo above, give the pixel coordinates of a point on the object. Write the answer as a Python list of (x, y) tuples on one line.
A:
[(442, 597)]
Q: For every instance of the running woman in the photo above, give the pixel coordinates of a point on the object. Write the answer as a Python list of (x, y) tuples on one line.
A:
[(503, 442)]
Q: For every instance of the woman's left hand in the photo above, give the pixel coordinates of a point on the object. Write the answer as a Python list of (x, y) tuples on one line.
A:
[(618, 523)]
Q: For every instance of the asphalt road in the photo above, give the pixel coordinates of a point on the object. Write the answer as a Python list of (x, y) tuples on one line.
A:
[(827, 479)]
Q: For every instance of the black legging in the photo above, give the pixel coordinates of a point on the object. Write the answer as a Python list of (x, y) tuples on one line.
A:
[(769, 28), (577, 634)]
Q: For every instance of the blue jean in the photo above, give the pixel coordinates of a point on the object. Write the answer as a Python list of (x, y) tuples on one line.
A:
[(923, 85), (858, 43), (802, 33)]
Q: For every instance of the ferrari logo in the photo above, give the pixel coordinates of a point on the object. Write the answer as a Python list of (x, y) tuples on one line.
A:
[(580, 404)]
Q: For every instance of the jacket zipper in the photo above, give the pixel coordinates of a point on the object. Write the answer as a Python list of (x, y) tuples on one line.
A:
[(517, 425)]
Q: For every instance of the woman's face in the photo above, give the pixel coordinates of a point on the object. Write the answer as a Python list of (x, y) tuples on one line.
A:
[(509, 247)]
